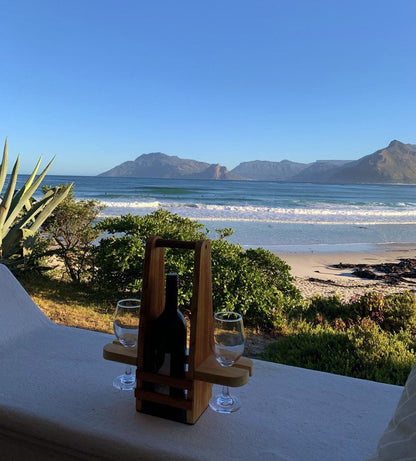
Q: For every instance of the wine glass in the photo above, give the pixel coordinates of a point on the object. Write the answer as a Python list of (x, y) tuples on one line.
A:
[(228, 346), (126, 329)]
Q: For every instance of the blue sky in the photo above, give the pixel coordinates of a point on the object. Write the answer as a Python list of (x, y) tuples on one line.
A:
[(98, 82)]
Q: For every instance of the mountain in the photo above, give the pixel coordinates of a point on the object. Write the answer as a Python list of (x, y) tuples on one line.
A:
[(318, 170), (157, 165), (396, 163), (261, 170), (215, 171)]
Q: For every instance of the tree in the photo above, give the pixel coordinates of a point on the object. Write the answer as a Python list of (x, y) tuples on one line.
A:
[(71, 232)]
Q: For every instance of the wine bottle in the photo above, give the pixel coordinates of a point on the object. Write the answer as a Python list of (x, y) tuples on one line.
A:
[(169, 340)]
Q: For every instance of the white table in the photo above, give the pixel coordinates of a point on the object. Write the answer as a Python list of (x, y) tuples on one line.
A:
[(57, 402)]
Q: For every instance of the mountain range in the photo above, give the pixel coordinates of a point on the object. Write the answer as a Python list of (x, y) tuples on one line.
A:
[(395, 163)]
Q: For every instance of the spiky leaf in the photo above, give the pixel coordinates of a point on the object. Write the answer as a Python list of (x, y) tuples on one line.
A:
[(7, 199), (26, 187), (3, 167), (14, 212)]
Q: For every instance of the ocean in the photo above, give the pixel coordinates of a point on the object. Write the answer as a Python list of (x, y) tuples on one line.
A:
[(286, 217)]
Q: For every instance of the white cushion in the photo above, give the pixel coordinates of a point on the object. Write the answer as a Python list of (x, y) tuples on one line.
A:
[(398, 441)]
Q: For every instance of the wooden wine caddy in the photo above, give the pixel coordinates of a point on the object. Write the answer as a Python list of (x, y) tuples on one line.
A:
[(203, 368)]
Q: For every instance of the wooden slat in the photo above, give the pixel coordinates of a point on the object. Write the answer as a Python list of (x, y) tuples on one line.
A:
[(211, 371), (163, 399), (245, 363), (153, 298), (153, 293), (155, 378), (201, 330), (117, 353)]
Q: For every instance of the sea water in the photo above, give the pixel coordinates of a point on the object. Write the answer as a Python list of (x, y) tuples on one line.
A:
[(276, 216)]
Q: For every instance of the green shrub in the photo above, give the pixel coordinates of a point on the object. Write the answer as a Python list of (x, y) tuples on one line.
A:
[(362, 351), (119, 255), (317, 348), (254, 282), (371, 305), (382, 356), (392, 312), (400, 312), (323, 309)]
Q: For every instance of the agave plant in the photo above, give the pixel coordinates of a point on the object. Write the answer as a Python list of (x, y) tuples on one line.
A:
[(20, 214)]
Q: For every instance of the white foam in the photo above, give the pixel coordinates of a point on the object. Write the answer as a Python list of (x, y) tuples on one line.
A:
[(321, 214), (132, 205)]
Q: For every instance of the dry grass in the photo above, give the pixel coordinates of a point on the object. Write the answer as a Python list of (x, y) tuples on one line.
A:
[(70, 305), (75, 315)]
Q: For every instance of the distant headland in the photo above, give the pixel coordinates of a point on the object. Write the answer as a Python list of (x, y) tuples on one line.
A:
[(394, 164)]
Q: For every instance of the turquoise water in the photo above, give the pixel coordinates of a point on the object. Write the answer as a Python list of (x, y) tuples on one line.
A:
[(291, 216)]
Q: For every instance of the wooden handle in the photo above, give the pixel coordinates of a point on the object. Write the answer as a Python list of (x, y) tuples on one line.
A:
[(163, 243)]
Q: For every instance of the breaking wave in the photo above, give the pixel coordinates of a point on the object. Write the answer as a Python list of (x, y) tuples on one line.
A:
[(319, 214)]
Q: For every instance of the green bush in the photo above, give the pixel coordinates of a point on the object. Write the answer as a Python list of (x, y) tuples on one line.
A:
[(381, 356), (254, 282), (321, 309), (371, 305), (400, 312), (392, 312), (119, 255), (362, 351), (317, 348)]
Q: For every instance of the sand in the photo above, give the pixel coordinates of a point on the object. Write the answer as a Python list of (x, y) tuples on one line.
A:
[(314, 275)]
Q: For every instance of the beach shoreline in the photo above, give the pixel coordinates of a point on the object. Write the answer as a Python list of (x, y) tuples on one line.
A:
[(315, 274)]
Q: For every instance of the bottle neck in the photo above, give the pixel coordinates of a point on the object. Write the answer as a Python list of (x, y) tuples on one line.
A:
[(171, 299)]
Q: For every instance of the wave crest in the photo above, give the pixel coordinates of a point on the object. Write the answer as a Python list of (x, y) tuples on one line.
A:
[(320, 214)]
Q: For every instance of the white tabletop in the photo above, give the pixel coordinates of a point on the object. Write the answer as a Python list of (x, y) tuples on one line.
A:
[(57, 402)]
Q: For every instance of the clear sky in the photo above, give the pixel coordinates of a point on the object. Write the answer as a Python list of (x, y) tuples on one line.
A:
[(98, 82)]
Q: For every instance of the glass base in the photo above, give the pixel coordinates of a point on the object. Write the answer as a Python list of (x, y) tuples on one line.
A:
[(124, 382), (224, 405)]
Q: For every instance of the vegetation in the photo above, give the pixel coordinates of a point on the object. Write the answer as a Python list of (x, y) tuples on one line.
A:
[(371, 337), (255, 282), (69, 303), (21, 215), (69, 234)]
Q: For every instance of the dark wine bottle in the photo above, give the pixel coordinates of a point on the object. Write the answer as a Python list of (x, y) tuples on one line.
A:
[(169, 339)]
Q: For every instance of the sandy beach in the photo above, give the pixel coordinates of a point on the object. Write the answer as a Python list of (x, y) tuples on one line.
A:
[(314, 272)]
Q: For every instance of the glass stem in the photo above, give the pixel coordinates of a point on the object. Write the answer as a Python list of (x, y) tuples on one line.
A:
[(226, 398), (128, 376)]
